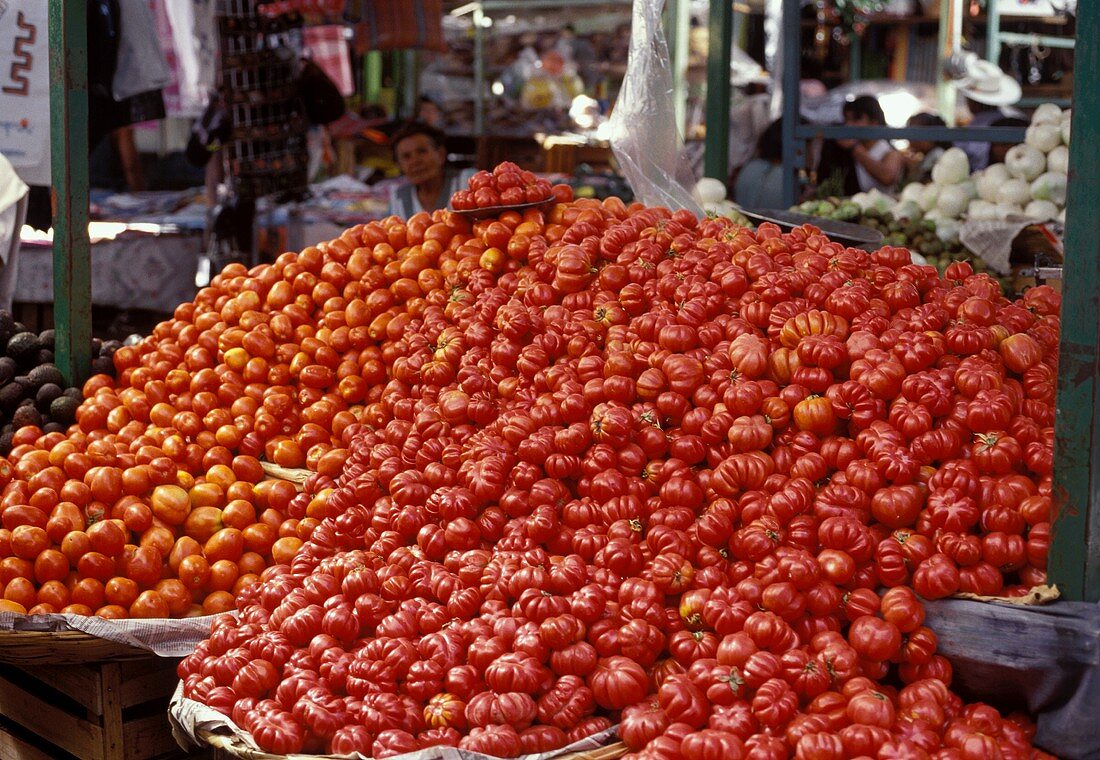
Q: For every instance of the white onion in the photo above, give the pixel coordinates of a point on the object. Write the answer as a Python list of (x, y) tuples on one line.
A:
[(951, 168), (1050, 186), (952, 201), (928, 196), (710, 190), (1047, 113), (912, 191), (1025, 162), (1014, 192), (990, 180), (1041, 210), (1058, 160), (1044, 137)]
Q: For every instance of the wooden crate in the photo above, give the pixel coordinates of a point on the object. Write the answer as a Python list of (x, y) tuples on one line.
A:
[(114, 710)]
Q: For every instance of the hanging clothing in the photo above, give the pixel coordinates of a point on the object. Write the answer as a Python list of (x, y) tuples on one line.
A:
[(107, 113), (328, 48), (13, 210), (140, 66), (187, 34), (404, 202)]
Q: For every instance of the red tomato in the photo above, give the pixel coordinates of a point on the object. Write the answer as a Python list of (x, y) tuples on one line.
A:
[(617, 682)]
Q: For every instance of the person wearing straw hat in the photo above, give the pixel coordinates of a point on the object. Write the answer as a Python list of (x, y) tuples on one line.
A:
[(990, 93)]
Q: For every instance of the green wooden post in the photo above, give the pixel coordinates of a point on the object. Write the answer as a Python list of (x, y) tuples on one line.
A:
[(1075, 547), (72, 289), (372, 75), (719, 40), (397, 65), (993, 29), (678, 25), (479, 70), (855, 57), (791, 37), (410, 90), (950, 43)]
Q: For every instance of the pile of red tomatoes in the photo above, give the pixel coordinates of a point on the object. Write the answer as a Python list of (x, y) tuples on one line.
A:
[(506, 185), (670, 474)]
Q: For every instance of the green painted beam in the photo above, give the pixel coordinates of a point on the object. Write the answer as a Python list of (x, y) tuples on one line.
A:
[(1043, 40), (719, 41), (678, 27), (410, 91), (855, 57), (933, 134), (72, 289), (993, 27), (1075, 546), (479, 71), (372, 76), (790, 25), (397, 66), (949, 44)]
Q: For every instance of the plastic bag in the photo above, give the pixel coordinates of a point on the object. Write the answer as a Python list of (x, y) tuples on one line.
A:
[(644, 135)]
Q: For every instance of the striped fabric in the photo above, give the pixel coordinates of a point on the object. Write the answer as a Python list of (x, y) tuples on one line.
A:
[(398, 24)]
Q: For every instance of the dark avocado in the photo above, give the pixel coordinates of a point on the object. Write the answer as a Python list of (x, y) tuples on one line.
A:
[(26, 415), (23, 347), (63, 409)]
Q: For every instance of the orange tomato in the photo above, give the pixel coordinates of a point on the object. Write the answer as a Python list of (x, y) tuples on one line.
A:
[(283, 550), (170, 503), (226, 544), (223, 574), (217, 602), (149, 604), (203, 522)]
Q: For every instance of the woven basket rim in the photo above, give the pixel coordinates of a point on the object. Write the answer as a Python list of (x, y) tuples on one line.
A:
[(237, 748)]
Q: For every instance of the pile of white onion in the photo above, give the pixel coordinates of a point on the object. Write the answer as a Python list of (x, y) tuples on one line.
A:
[(1030, 183)]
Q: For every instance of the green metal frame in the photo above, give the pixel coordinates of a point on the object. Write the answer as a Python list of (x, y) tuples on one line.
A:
[(72, 289), (678, 22), (1075, 545), (372, 76), (719, 56), (949, 43)]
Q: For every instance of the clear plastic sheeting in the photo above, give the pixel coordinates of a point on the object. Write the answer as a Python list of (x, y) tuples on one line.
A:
[(644, 136)]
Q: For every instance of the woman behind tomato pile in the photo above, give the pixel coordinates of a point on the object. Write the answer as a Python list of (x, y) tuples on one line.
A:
[(421, 154)]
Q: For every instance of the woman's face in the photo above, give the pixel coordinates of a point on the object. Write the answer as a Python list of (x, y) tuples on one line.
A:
[(420, 159)]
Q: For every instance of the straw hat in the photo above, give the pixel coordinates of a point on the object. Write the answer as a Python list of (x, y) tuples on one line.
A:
[(983, 81)]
